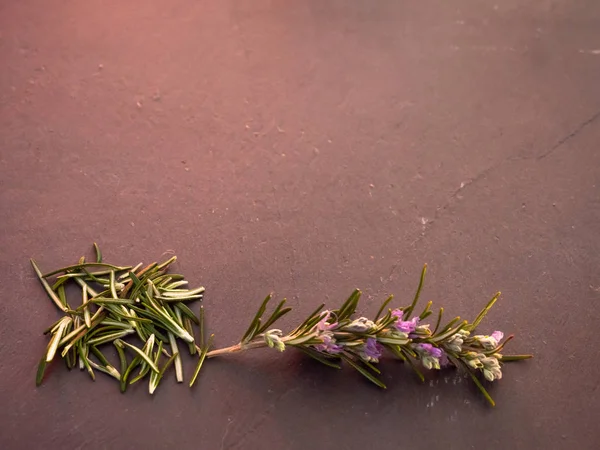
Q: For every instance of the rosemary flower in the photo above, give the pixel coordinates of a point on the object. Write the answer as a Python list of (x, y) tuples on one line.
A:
[(329, 344), (370, 351), (430, 355), (406, 326), (360, 325), (273, 339)]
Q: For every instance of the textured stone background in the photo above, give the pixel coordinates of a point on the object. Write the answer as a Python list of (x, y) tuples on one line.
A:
[(307, 148)]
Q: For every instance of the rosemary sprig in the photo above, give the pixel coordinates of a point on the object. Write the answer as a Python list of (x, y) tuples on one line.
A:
[(333, 336)]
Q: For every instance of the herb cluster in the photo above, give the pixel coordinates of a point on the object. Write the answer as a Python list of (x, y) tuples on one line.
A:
[(149, 303)]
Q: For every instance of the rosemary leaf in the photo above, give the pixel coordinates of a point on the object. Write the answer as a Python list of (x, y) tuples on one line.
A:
[(167, 263), (409, 310), (276, 315), (506, 358), (426, 311), (148, 349), (132, 269), (188, 312), (175, 285), (447, 334), (56, 338), (382, 308), (124, 377), (86, 310), (109, 337), (483, 312), (124, 365), (319, 356), (201, 325), (312, 316), (98, 253), (109, 370), (187, 324), (183, 293), (254, 325), (84, 265), (178, 365), (368, 375), (410, 362), (113, 289), (480, 386), (39, 376), (111, 301), (156, 377), (349, 307), (142, 354), (191, 298), (201, 360), (83, 357), (47, 288), (439, 320)]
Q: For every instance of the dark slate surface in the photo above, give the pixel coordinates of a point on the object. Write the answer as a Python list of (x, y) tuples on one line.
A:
[(307, 148)]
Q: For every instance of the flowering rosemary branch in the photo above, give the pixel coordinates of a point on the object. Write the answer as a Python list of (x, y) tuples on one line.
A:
[(150, 304), (333, 336)]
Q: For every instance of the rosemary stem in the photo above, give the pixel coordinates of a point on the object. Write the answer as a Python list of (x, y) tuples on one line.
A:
[(236, 348), (224, 351)]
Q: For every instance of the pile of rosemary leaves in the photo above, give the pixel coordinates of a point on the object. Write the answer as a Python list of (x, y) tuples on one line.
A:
[(140, 311)]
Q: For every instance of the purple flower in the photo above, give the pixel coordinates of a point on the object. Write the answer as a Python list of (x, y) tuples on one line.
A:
[(444, 361), (323, 325), (433, 351), (328, 345), (498, 335), (372, 348), (406, 326), (397, 313)]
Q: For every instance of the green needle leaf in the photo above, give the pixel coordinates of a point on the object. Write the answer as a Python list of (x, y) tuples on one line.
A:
[(124, 377), (426, 312), (84, 359), (167, 263), (86, 310), (255, 324), (277, 314), (480, 386), (85, 265), (383, 306), (113, 289), (483, 313), (201, 324), (506, 358), (178, 365), (368, 375), (156, 377), (111, 301), (201, 360), (439, 320), (314, 315), (409, 310), (124, 367), (142, 354), (188, 312), (56, 338), (98, 253), (440, 337), (39, 377), (409, 359), (349, 307), (57, 301), (187, 324), (319, 357)]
